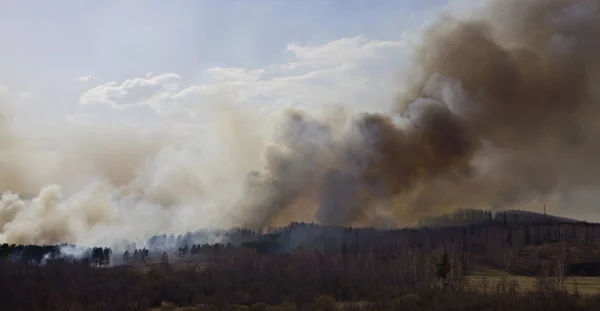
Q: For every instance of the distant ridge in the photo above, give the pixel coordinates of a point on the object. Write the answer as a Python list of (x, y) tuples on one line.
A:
[(463, 217)]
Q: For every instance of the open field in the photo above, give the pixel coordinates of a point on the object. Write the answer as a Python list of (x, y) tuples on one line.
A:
[(487, 279)]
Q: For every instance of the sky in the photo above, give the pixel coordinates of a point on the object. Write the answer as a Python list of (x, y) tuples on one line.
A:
[(136, 61)]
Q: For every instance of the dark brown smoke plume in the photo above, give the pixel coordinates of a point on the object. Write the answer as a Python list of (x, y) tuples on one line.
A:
[(503, 109)]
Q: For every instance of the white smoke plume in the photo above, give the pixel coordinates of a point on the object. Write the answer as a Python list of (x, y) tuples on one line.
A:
[(501, 110)]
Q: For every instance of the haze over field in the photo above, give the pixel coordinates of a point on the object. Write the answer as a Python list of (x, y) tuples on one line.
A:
[(258, 114)]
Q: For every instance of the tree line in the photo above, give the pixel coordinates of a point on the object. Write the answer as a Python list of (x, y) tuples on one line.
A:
[(41, 254), (414, 277), (306, 266)]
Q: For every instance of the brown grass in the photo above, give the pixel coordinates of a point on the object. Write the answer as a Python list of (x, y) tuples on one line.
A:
[(489, 278)]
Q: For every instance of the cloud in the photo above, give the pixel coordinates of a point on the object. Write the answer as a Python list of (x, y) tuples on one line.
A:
[(347, 51), (133, 92), (348, 70)]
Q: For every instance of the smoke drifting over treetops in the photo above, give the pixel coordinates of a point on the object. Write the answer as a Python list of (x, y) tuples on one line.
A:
[(500, 110)]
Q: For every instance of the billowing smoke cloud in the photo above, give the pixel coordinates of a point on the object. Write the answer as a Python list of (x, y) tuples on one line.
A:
[(500, 111), (92, 185), (527, 72)]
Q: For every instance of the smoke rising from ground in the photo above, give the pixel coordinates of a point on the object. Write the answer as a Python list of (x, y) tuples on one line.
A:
[(500, 111)]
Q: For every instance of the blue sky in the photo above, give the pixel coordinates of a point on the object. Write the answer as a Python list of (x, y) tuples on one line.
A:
[(54, 52)]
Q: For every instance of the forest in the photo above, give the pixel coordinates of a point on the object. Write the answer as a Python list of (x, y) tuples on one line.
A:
[(311, 267)]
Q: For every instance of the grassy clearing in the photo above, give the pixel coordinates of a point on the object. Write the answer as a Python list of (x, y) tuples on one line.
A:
[(488, 279)]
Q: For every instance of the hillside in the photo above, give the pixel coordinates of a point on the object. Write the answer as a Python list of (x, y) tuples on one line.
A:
[(465, 217)]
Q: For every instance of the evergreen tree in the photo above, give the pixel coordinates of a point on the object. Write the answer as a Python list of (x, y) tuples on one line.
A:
[(106, 253), (443, 267), (126, 257), (97, 256), (136, 256), (144, 255), (509, 239)]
